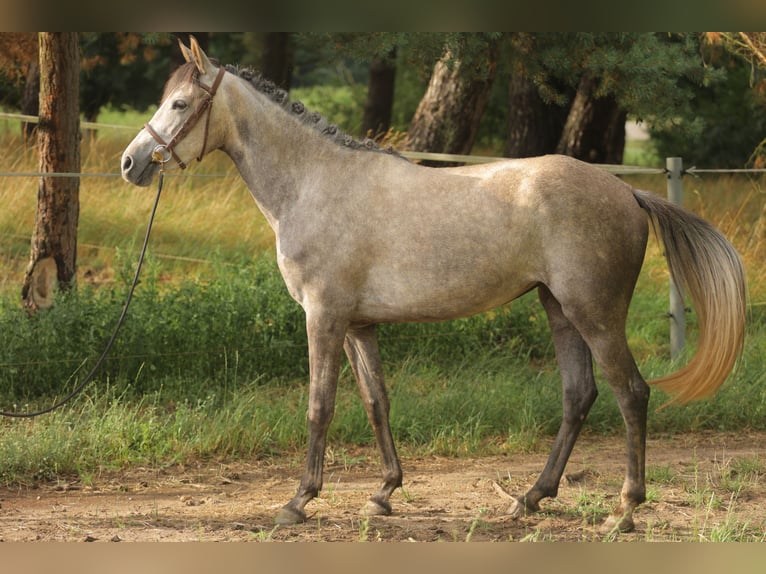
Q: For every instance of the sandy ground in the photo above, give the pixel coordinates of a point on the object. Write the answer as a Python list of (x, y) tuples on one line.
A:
[(701, 487)]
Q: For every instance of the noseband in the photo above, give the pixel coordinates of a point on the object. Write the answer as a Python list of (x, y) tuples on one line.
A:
[(158, 155)]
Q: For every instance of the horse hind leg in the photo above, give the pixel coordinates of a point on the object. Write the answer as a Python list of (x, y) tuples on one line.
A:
[(603, 329), (619, 368), (361, 348), (579, 393)]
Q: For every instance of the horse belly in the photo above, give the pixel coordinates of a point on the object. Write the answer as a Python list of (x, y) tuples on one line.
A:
[(429, 294)]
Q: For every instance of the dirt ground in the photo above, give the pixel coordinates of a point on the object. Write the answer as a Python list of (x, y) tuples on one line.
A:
[(701, 487)]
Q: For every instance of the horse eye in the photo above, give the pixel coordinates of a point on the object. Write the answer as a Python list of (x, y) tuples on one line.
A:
[(179, 105)]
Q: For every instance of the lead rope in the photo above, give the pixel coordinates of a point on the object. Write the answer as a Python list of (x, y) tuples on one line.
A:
[(120, 321)]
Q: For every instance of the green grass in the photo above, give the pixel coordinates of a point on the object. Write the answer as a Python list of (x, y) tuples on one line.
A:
[(212, 361)]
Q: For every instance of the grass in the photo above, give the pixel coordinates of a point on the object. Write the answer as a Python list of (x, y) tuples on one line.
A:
[(181, 390), (194, 222)]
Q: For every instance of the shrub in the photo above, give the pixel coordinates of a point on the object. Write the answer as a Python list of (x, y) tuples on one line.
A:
[(239, 327)]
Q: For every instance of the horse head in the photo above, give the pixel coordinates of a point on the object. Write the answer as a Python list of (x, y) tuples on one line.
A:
[(181, 127)]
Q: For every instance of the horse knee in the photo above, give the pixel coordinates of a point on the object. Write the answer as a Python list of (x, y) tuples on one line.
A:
[(319, 419)]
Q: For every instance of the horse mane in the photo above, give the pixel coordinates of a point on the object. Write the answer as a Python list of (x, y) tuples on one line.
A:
[(187, 73), (313, 119)]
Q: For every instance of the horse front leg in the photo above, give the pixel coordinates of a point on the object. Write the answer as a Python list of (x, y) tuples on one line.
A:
[(362, 351), (325, 339)]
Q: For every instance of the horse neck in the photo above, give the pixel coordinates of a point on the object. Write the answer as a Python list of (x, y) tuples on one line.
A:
[(273, 152)]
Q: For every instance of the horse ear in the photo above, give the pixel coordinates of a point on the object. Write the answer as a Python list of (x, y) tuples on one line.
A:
[(186, 52), (198, 57)]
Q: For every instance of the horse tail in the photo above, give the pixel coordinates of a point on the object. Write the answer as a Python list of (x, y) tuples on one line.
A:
[(706, 266)]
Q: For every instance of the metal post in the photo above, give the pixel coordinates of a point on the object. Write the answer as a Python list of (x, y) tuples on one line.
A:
[(674, 167)]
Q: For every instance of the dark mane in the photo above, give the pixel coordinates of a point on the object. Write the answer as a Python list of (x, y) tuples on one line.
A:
[(299, 111), (187, 72)]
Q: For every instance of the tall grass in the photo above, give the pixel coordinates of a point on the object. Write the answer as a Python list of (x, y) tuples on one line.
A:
[(198, 217), (212, 361)]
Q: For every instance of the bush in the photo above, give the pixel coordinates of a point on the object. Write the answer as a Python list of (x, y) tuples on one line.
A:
[(241, 324), (728, 125), (236, 329), (340, 105)]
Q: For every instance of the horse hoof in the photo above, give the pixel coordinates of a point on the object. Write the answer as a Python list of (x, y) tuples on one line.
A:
[(376, 508), (516, 509), (519, 508), (618, 525), (288, 515)]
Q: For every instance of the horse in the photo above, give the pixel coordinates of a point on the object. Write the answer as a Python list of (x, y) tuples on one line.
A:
[(365, 237)]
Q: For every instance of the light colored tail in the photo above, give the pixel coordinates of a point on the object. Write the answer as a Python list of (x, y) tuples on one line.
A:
[(707, 267)]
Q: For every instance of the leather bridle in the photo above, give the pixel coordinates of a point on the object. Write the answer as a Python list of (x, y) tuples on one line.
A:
[(166, 150)]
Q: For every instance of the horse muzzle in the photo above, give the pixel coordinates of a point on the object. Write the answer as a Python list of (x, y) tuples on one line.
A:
[(137, 172)]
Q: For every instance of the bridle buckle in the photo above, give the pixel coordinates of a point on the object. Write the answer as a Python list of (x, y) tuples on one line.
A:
[(161, 154)]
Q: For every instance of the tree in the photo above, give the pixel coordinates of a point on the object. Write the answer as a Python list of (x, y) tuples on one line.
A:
[(594, 130), (750, 45), (18, 61), (448, 116), (568, 92), (277, 58), (601, 78), (53, 259), (117, 68), (380, 95), (123, 69), (534, 125), (731, 115)]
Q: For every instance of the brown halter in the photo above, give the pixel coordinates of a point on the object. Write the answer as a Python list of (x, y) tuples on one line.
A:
[(191, 121)]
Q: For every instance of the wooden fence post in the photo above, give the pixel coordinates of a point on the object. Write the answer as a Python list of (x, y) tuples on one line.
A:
[(677, 312)]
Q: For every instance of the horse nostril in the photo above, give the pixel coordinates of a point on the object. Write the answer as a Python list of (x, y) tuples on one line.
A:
[(127, 163)]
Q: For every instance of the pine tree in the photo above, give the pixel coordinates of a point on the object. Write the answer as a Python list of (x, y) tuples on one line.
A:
[(602, 78)]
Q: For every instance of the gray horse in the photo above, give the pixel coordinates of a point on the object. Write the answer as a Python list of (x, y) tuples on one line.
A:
[(366, 237)]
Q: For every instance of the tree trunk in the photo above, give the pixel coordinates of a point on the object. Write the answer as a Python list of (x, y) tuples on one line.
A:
[(595, 129), (447, 118), (277, 59), (53, 259), (380, 96), (534, 126)]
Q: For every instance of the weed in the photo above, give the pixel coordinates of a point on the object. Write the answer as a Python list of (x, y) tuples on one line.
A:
[(476, 523), (264, 535), (660, 474), (364, 529), (408, 495), (536, 535), (736, 475), (730, 529), (592, 507), (652, 494)]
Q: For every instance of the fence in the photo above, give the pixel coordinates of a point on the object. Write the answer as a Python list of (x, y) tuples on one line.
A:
[(674, 170)]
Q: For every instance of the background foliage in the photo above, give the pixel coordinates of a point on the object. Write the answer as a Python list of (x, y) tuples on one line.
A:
[(212, 361), (698, 97)]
